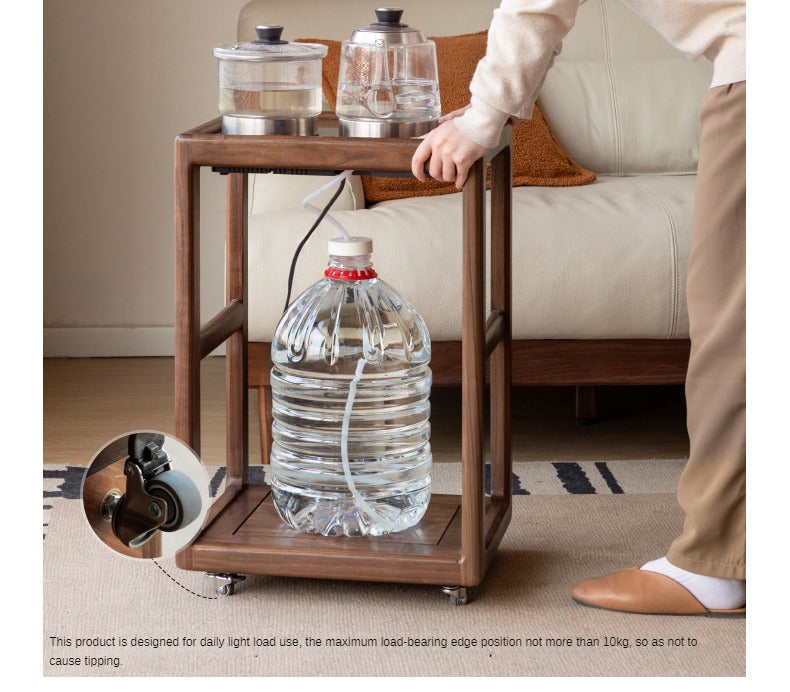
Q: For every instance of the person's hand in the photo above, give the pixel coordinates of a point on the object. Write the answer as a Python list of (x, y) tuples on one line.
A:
[(448, 152)]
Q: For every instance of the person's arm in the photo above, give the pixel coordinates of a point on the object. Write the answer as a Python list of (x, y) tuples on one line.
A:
[(523, 39)]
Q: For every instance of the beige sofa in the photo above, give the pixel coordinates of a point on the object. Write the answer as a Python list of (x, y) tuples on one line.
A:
[(599, 270)]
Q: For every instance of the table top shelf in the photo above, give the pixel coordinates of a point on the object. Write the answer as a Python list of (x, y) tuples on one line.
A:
[(323, 152)]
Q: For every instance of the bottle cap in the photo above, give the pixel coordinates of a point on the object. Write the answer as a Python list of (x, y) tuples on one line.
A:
[(350, 247)]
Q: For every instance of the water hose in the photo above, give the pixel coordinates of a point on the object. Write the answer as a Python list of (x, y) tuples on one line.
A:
[(322, 214), (360, 502), (306, 202)]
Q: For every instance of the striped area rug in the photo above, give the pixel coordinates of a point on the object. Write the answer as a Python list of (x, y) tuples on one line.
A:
[(529, 478)]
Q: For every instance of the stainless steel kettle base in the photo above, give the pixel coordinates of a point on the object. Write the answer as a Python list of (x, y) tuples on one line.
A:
[(239, 125), (379, 128)]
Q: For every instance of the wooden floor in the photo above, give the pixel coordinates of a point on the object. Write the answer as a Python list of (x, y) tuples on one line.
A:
[(88, 402)]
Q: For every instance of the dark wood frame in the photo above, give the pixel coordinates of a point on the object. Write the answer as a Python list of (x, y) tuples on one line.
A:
[(458, 537)]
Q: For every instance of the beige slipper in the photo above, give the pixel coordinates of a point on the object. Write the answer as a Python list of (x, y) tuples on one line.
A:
[(639, 591)]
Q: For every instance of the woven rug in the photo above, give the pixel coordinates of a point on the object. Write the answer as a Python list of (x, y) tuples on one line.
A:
[(126, 617), (529, 478)]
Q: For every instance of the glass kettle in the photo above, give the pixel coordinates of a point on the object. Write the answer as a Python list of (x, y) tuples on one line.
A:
[(388, 83), (270, 86)]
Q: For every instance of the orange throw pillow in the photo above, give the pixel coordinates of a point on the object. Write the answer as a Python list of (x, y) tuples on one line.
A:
[(538, 159)]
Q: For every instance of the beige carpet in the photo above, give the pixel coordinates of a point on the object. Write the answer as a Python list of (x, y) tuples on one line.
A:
[(553, 540)]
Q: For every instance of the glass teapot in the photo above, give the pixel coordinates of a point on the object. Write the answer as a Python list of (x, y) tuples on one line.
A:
[(388, 83)]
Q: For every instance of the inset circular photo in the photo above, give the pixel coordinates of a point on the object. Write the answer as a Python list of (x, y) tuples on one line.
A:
[(146, 494)]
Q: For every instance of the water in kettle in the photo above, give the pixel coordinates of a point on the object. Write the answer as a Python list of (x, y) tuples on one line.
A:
[(270, 101), (414, 99)]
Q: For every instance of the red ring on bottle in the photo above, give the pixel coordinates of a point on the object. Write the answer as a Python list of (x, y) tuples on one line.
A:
[(350, 274)]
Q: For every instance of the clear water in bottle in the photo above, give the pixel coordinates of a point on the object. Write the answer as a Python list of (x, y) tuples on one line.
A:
[(351, 448)]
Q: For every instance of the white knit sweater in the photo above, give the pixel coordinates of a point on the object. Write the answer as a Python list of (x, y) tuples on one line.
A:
[(526, 35)]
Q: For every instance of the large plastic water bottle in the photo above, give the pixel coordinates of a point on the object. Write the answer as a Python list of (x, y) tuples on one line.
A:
[(351, 453)]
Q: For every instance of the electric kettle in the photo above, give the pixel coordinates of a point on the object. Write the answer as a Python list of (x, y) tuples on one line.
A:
[(270, 86), (388, 82)]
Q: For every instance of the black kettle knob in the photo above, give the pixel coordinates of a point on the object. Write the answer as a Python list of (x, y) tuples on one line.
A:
[(389, 16), (269, 33)]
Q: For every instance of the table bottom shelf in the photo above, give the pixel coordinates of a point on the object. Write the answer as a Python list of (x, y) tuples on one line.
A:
[(245, 535)]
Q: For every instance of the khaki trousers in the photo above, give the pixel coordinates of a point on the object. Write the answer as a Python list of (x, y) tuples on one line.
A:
[(712, 487)]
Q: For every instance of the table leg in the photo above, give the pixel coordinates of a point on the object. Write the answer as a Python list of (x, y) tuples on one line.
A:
[(187, 317), (500, 359), (237, 434), (472, 374)]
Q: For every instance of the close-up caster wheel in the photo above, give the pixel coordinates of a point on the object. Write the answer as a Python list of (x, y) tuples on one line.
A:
[(145, 494), (456, 595), (226, 583)]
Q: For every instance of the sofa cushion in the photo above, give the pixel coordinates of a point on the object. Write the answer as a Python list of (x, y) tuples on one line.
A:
[(275, 192), (626, 117), (538, 159), (599, 261)]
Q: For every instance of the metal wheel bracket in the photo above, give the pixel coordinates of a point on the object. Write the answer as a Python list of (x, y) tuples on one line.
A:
[(136, 514), (456, 594)]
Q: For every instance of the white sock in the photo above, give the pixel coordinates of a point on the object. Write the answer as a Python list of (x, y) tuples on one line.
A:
[(713, 592)]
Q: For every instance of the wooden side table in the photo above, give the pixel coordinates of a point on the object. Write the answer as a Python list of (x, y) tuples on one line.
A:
[(458, 536)]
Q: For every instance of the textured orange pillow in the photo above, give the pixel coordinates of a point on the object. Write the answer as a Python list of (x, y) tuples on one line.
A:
[(538, 159)]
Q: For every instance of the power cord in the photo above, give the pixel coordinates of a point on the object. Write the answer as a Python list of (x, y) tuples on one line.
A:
[(299, 247)]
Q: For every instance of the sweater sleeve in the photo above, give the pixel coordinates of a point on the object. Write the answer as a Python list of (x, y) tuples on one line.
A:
[(523, 39)]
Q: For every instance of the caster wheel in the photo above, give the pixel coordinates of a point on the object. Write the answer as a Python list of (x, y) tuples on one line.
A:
[(227, 582), (182, 497), (226, 589), (456, 595)]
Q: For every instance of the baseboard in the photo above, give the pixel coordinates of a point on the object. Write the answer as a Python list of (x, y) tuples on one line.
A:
[(110, 342)]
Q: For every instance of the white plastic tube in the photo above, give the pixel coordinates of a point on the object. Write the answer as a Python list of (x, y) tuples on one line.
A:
[(306, 202), (361, 503)]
